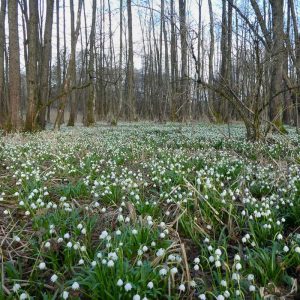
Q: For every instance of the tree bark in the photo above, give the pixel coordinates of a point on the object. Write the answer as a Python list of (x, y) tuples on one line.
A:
[(14, 69)]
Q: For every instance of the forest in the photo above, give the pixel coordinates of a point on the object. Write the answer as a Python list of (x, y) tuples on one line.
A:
[(89, 61), (149, 149)]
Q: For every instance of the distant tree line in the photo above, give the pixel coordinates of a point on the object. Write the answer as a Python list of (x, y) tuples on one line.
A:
[(240, 60)]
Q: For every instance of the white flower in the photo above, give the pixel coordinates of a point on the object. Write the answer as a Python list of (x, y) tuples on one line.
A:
[(75, 286), (202, 297), (238, 266), (53, 278), (93, 263), (174, 270), (220, 297), (250, 277), (182, 287), (103, 235), (211, 259), (16, 287), (16, 239), (297, 249), (136, 297), (128, 287), (134, 231), (286, 248), (69, 245), (160, 252), (23, 296), (110, 263), (196, 267), (218, 252), (197, 260), (162, 272), (252, 288), (223, 283), (81, 262), (226, 294), (42, 266), (79, 226), (237, 257), (67, 235), (47, 245), (120, 282), (279, 237), (65, 295), (218, 264), (150, 285)]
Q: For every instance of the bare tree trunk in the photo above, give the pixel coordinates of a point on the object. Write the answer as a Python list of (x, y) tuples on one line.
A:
[(73, 104), (58, 63), (211, 54), (45, 65), (14, 68), (120, 87), (184, 97), (90, 119), (3, 108), (32, 65), (276, 100), (68, 80), (130, 67)]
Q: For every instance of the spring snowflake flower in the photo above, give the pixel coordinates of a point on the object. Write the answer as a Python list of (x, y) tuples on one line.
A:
[(202, 297), (286, 248), (220, 297), (103, 235), (23, 296), (93, 263), (81, 262), (218, 264), (110, 263), (53, 278), (218, 252), (297, 249), (67, 235), (223, 283), (237, 257), (252, 288), (238, 266), (196, 267), (128, 287), (16, 287), (136, 297), (150, 285), (160, 252), (120, 282), (42, 266), (75, 286), (69, 244), (47, 245), (226, 294), (181, 287), (279, 237), (16, 239), (65, 295), (163, 272), (174, 270), (197, 260), (250, 277), (134, 232)]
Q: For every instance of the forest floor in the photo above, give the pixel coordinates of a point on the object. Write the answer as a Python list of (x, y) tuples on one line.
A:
[(147, 211)]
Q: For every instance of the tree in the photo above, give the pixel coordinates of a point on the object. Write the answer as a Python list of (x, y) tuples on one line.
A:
[(32, 84), (130, 67), (3, 106), (15, 119), (90, 119)]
